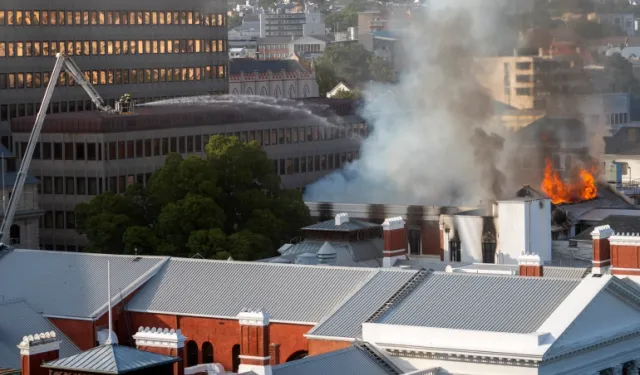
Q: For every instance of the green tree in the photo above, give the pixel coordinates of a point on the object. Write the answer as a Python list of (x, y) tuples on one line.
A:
[(228, 204), (344, 94), (233, 21), (341, 20), (619, 75), (351, 63)]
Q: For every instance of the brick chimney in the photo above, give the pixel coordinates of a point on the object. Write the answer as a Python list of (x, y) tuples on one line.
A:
[(601, 249), (37, 349), (530, 265), (395, 241), (254, 342), (625, 254), (162, 341)]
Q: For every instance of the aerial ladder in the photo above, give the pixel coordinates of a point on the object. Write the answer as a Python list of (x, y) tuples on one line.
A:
[(125, 105)]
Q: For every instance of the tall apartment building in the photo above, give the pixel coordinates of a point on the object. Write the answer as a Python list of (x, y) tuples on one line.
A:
[(149, 48), (291, 24), (84, 154), (524, 82)]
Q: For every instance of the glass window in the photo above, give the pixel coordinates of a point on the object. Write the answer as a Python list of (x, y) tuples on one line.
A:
[(81, 185), (71, 220), (70, 185), (58, 186), (2, 19), (47, 183)]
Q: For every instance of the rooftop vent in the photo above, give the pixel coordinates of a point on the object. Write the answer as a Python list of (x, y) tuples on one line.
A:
[(342, 218), (307, 258)]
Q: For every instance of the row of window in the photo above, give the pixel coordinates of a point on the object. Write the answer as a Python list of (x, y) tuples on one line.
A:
[(186, 144), (488, 251), (58, 220), (111, 47), (9, 111), (115, 77), (110, 17), (118, 184)]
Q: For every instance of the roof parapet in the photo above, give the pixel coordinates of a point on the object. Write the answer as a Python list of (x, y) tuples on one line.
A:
[(602, 232)]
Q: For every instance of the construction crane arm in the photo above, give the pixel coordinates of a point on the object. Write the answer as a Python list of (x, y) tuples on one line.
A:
[(62, 62)]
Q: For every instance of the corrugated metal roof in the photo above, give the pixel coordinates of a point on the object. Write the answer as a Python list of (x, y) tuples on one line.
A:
[(349, 361), (347, 320), (599, 214), (481, 302), (70, 284), (17, 320), (351, 225), (367, 253), (288, 292), (110, 359)]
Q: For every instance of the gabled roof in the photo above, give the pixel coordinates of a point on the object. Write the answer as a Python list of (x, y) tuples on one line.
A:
[(353, 360), (65, 284), (481, 302), (351, 225), (290, 293), (110, 359), (346, 321), (17, 320)]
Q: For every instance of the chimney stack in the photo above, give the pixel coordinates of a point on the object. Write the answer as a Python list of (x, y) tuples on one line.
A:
[(395, 241), (342, 218), (530, 265), (37, 349), (162, 341), (601, 248), (254, 342)]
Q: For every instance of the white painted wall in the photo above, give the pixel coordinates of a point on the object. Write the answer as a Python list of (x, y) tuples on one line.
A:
[(469, 229), (524, 226), (466, 368)]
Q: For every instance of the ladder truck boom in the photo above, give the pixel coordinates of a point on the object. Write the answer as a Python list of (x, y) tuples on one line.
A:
[(62, 62)]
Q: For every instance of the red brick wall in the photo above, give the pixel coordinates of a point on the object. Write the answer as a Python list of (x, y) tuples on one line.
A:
[(223, 334), (395, 239), (623, 256), (324, 346), (31, 364), (601, 252), (80, 332), (531, 270), (431, 238)]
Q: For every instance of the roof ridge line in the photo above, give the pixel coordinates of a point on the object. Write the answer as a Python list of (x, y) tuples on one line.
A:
[(399, 296), (374, 354), (346, 299), (68, 253), (314, 266)]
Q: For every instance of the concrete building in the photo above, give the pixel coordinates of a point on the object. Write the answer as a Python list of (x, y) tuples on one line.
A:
[(611, 110), (150, 49), (625, 21), (523, 82), (84, 154), (275, 78), (291, 24), (25, 231)]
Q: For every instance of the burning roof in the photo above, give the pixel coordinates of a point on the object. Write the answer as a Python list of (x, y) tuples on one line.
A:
[(581, 188)]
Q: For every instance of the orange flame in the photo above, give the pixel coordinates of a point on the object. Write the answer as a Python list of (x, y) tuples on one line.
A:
[(560, 192)]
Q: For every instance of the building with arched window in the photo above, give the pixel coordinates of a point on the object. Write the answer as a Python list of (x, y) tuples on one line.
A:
[(275, 78)]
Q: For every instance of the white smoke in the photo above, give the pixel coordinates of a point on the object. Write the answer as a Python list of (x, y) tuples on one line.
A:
[(432, 140)]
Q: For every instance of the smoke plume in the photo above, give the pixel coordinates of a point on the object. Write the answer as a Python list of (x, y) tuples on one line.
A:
[(434, 138)]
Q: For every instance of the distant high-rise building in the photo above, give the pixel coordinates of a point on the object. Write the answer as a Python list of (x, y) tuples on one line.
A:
[(291, 25)]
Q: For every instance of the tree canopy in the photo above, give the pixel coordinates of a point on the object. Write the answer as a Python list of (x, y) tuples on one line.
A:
[(341, 20), (227, 204), (350, 63)]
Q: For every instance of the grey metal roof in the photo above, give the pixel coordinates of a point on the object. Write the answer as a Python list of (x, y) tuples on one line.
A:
[(366, 253), (481, 302), (110, 359), (599, 214), (624, 224), (348, 361), (70, 284), (17, 320), (4, 152), (347, 320), (288, 292), (326, 249), (351, 225)]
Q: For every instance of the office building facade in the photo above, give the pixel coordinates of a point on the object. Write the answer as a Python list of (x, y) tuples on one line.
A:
[(81, 155), (149, 48)]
